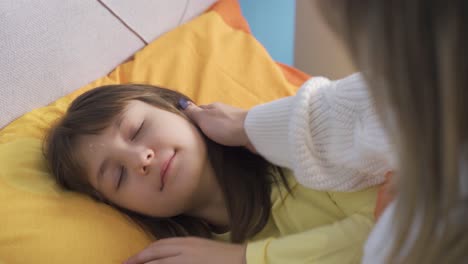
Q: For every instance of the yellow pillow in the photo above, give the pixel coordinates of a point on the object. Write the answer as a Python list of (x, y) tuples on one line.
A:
[(208, 59)]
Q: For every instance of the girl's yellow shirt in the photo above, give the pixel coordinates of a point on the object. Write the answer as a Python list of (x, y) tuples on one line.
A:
[(309, 226)]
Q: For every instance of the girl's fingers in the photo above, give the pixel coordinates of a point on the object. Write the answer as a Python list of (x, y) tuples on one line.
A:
[(169, 260), (193, 111), (154, 252)]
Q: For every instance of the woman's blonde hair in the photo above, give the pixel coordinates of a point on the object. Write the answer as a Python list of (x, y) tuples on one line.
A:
[(413, 54)]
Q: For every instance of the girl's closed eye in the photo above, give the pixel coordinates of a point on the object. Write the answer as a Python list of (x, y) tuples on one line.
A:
[(122, 171), (122, 176), (138, 131)]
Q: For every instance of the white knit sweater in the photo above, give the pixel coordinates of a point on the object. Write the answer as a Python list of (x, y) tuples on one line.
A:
[(328, 134)]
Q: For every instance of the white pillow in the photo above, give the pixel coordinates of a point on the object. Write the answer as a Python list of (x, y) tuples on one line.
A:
[(52, 47)]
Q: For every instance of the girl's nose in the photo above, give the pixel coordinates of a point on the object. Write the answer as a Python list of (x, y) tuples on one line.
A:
[(146, 160)]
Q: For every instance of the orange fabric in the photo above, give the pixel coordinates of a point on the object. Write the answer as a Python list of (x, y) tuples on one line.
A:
[(293, 75), (231, 12)]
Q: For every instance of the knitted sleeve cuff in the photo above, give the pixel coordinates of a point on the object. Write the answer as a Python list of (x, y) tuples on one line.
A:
[(267, 127)]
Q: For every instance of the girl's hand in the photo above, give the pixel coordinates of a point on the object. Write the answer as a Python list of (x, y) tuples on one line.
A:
[(182, 250), (222, 123)]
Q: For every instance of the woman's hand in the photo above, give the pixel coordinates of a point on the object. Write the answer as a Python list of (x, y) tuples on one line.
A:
[(182, 250), (222, 123)]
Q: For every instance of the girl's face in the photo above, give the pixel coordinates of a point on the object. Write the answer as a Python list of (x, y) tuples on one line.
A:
[(149, 160)]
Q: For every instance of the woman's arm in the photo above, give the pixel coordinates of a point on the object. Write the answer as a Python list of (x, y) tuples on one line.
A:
[(328, 133)]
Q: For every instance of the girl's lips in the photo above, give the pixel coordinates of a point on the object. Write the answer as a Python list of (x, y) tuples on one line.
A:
[(165, 169)]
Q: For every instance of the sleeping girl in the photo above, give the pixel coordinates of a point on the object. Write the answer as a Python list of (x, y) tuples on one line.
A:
[(132, 147)]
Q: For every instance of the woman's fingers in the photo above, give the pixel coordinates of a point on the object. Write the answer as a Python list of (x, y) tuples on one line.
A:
[(191, 110), (209, 106), (221, 123)]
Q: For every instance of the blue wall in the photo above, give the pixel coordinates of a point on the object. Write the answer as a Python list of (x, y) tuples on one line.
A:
[(272, 23)]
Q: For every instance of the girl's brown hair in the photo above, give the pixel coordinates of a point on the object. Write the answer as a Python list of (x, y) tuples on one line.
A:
[(246, 179), (413, 54)]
